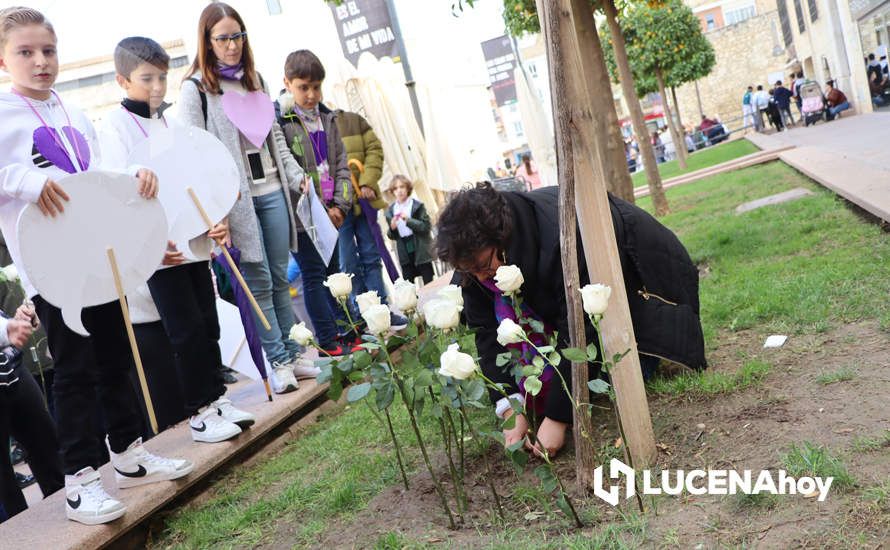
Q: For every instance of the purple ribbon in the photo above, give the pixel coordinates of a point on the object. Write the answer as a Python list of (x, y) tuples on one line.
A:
[(246, 311), (371, 216)]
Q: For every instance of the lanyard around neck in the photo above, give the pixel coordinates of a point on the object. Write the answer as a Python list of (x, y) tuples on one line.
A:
[(55, 135), (141, 129)]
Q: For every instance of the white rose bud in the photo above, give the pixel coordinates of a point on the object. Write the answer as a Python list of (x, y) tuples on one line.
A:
[(596, 298), (340, 285), (442, 314), (11, 273), (508, 278), (366, 300), (377, 317), (404, 295), (509, 332), (300, 334), (452, 293), (456, 364)]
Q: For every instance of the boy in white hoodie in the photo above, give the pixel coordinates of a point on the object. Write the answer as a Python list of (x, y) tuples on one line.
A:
[(41, 141), (181, 290)]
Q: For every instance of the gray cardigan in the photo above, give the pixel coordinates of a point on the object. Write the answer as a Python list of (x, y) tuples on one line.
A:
[(243, 223)]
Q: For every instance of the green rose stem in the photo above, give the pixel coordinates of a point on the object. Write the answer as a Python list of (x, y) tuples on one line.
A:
[(544, 454), (426, 457), (488, 475), (392, 433), (342, 302), (459, 497)]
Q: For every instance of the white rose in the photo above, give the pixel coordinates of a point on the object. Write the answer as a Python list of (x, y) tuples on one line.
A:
[(366, 300), (300, 334), (377, 317), (404, 295), (340, 284), (509, 332), (508, 278), (452, 293), (11, 273), (286, 102), (596, 298), (442, 314), (456, 364)]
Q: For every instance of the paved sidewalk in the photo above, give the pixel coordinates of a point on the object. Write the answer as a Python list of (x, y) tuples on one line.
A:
[(850, 156)]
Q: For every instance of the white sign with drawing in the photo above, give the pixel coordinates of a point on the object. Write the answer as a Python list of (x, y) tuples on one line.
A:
[(66, 257)]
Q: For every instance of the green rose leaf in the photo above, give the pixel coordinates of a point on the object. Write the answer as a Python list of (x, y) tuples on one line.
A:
[(592, 352), (503, 359), (575, 355), (533, 385), (385, 396), (598, 386), (357, 393)]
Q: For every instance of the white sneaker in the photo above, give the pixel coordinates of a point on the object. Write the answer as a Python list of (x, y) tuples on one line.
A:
[(305, 369), (234, 415), (136, 466), (282, 378), (210, 427), (86, 500)]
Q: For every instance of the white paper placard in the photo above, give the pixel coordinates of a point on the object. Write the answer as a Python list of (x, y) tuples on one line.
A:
[(66, 257), (185, 157), (318, 224), (232, 342)]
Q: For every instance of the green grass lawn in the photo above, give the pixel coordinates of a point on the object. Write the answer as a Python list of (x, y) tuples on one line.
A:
[(709, 156), (800, 267)]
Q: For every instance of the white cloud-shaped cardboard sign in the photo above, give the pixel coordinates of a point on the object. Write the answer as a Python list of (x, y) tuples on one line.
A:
[(185, 157), (66, 257)]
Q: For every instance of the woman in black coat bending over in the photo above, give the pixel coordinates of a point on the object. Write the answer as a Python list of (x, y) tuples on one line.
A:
[(482, 229)]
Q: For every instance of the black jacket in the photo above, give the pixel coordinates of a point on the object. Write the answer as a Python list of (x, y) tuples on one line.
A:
[(661, 281)]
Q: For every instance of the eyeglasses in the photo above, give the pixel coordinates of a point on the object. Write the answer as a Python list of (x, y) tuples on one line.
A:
[(223, 40), (479, 268)]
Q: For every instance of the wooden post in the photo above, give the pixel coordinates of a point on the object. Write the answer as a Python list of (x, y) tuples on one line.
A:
[(569, 27), (582, 429), (653, 178), (678, 138), (132, 336)]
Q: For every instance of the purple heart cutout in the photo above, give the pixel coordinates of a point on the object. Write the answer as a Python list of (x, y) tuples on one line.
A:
[(48, 143), (252, 113)]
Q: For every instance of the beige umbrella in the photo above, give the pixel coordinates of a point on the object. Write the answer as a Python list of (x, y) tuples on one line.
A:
[(537, 129)]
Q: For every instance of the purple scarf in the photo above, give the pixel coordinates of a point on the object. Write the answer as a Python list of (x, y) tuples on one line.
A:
[(503, 309), (230, 72), (246, 311)]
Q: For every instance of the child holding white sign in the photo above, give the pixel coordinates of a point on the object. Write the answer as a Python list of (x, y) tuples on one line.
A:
[(41, 141), (182, 290)]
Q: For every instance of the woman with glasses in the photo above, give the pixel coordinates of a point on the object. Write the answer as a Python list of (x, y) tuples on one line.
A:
[(482, 229), (261, 223)]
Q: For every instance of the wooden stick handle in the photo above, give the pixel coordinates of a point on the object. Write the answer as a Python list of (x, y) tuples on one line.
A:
[(136, 357), (235, 271)]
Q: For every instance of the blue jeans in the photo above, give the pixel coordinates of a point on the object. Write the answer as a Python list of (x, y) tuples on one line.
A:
[(267, 280), (838, 108), (359, 256), (314, 273)]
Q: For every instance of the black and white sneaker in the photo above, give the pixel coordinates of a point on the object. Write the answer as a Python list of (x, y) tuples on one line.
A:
[(136, 466), (233, 414), (209, 426), (397, 322), (86, 500)]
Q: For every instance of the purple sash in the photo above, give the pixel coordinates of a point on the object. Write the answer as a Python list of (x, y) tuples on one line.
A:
[(246, 311)]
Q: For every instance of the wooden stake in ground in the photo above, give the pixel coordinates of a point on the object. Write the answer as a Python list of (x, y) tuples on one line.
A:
[(237, 273), (132, 336), (584, 452), (570, 35), (650, 165)]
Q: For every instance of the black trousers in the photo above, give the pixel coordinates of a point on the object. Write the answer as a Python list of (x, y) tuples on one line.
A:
[(23, 415), (411, 271), (162, 377), (185, 299), (84, 366)]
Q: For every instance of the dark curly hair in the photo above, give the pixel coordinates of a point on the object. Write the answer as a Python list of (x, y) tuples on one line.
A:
[(477, 217)]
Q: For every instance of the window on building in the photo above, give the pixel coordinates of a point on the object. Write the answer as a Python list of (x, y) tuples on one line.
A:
[(517, 127), (740, 14), (814, 10), (785, 21), (801, 22), (710, 24), (274, 7)]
